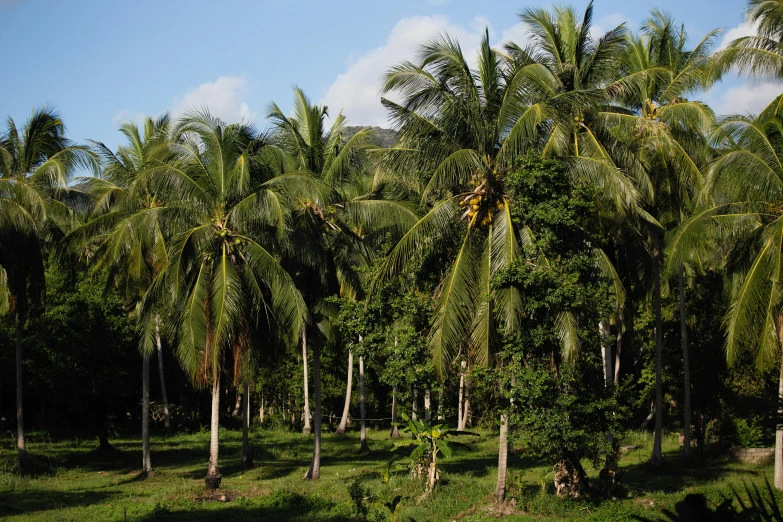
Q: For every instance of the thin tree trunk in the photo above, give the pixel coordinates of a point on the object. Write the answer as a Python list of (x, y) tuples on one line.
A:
[(500, 488), (344, 419), (395, 432), (414, 407), (213, 477), (779, 423), (21, 447), (363, 433), (247, 457), (314, 473), (440, 404), (619, 349), (686, 371), (163, 395), (261, 409), (427, 405), (146, 459), (306, 430), (460, 425), (237, 406), (467, 412), (606, 354), (657, 455)]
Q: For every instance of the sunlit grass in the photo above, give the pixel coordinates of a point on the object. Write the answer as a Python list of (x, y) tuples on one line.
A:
[(71, 480)]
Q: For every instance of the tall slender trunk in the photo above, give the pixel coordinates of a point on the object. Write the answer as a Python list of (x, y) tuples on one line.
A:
[(344, 419), (606, 354), (314, 473), (261, 409), (363, 433), (306, 430), (213, 477), (146, 459), (395, 432), (500, 487), (460, 425), (414, 407), (467, 412), (619, 349), (440, 404), (237, 405), (427, 405), (163, 395), (247, 456), (779, 423), (686, 372), (657, 455), (21, 447)]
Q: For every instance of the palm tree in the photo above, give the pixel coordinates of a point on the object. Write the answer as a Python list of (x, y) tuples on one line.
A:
[(760, 55), (665, 133), (464, 127), (742, 221), (36, 163), (221, 279), (125, 235), (334, 225)]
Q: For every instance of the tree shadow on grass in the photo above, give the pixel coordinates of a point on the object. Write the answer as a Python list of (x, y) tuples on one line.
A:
[(674, 475), (26, 501)]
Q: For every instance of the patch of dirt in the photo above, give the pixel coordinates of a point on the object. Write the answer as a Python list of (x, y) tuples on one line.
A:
[(218, 495), (493, 510), (646, 503)]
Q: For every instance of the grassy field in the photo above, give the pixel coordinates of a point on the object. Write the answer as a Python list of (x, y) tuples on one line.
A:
[(75, 482)]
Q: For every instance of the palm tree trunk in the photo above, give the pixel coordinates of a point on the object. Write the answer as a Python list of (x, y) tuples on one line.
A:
[(606, 354), (779, 423), (363, 433), (500, 487), (247, 457), (21, 447), (427, 405), (314, 473), (146, 459), (440, 404), (686, 371), (657, 455), (395, 432), (163, 395), (414, 407), (213, 477), (306, 430), (619, 349), (460, 425), (344, 419)]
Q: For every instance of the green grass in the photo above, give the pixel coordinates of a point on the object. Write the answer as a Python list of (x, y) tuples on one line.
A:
[(73, 481)]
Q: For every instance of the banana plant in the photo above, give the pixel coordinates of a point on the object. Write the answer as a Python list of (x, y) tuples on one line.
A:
[(428, 441)]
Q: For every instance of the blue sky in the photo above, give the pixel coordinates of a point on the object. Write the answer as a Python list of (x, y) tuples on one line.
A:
[(101, 62)]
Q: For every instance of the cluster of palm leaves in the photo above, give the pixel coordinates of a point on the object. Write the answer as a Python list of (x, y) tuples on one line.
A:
[(221, 238)]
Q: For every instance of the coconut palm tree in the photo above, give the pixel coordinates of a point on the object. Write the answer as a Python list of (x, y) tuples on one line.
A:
[(334, 226), (126, 241), (36, 162), (742, 220), (761, 54), (665, 133), (464, 127), (221, 278)]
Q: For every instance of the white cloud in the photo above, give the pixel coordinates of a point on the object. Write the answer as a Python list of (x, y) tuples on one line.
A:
[(748, 98), (742, 30), (356, 91), (608, 22), (128, 115), (224, 98)]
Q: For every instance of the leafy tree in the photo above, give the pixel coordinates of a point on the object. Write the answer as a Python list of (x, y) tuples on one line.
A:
[(36, 163), (220, 279), (744, 188)]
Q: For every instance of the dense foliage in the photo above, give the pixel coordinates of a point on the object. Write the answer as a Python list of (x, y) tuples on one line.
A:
[(546, 245)]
